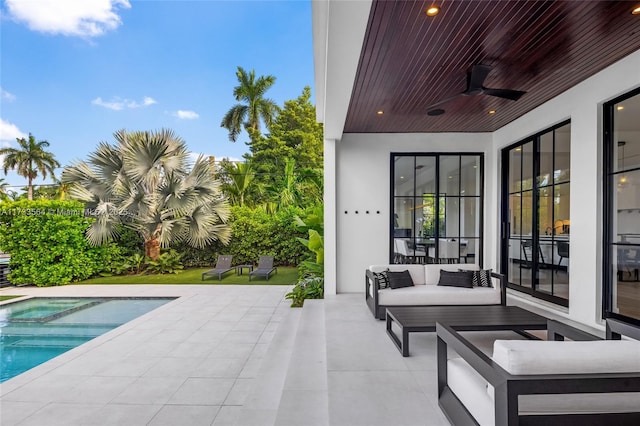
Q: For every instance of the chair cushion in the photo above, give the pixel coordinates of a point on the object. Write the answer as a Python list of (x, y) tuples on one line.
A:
[(456, 279), (550, 357), (438, 295), (399, 279), (471, 389)]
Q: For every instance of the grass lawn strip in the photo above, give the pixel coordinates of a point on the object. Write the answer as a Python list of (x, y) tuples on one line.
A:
[(285, 276)]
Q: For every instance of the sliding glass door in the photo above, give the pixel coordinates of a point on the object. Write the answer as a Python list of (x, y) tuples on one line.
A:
[(535, 214)]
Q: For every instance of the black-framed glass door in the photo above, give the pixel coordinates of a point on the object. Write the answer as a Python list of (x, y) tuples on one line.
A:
[(621, 216), (535, 240)]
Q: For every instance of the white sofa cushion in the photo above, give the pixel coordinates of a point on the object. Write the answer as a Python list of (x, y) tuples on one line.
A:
[(432, 271), (416, 271), (439, 295), (549, 357), (471, 389)]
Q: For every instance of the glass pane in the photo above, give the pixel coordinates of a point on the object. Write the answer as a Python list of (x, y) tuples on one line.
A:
[(451, 220), (527, 165), (429, 210), (470, 221), (425, 175), (403, 176), (626, 127), (561, 209), (515, 215), (546, 159), (449, 175), (626, 204), (626, 288), (562, 172), (545, 212), (526, 262), (403, 217), (468, 250), (527, 216), (514, 261), (470, 175), (515, 169)]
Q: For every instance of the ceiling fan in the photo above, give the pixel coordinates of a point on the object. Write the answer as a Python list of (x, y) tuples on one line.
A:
[(475, 80)]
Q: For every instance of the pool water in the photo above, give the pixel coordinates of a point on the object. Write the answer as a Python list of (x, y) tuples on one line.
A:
[(36, 330)]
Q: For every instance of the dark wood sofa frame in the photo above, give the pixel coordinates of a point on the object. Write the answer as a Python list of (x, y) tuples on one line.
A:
[(508, 387), (380, 311)]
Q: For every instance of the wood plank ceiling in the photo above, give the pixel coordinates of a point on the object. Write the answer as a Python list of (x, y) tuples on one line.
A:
[(410, 61)]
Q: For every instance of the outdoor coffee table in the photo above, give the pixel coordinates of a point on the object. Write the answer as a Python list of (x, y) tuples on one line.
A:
[(239, 268), (411, 319)]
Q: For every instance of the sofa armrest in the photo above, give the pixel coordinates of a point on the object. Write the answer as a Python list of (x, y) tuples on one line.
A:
[(503, 286), (371, 282)]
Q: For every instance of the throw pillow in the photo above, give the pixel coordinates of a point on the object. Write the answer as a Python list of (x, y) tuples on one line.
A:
[(456, 279), (400, 279), (383, 278), (480, 278)]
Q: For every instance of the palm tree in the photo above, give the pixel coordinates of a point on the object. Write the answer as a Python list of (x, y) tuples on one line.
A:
[(254, 105), (3, 189), (240, 179), (144, 182), (29, 160)]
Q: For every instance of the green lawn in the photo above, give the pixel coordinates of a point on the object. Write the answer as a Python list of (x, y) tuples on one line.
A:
[(8, 297), (285, 276)]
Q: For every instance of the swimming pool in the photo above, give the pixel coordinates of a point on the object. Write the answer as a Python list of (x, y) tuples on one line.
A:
[(36, 330)]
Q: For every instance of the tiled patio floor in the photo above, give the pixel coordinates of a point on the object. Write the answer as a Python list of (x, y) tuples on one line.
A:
[(207, 359)]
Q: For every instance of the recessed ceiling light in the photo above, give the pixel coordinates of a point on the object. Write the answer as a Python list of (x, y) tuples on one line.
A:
[(435, 112), (401, 177), (432, 11), (450, 177), (380, 112), (620, 107), (492, 111), (636, 10), (519, 149)]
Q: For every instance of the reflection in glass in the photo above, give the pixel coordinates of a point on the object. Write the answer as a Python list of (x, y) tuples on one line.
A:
[(527, 165), (425, 175), (403, 176), (449, 174), (562, 159), (470, 221), (470, 176)]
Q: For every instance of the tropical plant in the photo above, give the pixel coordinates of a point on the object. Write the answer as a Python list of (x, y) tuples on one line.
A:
[(29, 160), (240, 177), (166, 263), (306, 288), (144, 182), (4, 189), (254, 106)]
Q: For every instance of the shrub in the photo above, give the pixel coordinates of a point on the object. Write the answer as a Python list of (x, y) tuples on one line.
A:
[(167, 263), (306, 288), (46, 240)]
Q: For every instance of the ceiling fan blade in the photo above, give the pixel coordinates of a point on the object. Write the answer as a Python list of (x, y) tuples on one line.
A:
[(437, 104), (514, 95), (476, 78)]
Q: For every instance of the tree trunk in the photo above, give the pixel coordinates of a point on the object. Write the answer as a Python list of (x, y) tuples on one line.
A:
[(152, 248), (30, 189)]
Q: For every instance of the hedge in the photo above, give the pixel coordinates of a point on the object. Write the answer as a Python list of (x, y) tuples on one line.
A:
[(46, 240)]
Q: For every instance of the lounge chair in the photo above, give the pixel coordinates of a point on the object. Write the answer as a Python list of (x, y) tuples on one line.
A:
[(223, 265), (264, 269)]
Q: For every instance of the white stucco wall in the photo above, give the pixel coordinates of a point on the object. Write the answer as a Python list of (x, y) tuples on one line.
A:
[(363, 183), (583, 105)]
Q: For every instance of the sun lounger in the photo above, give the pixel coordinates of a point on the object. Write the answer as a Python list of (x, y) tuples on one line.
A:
[(223, 265), (265, 268)]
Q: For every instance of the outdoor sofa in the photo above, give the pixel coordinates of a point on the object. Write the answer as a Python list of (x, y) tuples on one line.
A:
[(425, 290), (584, 382)]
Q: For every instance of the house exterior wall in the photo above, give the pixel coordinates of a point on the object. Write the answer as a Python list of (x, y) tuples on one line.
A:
[(362, 176)]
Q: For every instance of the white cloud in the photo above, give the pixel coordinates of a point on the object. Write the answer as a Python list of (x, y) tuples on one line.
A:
[(4, 95), (10, 132), (85, 18), (186, 115), (118, 104)]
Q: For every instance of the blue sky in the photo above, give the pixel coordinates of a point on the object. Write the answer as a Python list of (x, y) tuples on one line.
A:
[(73, 72)]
